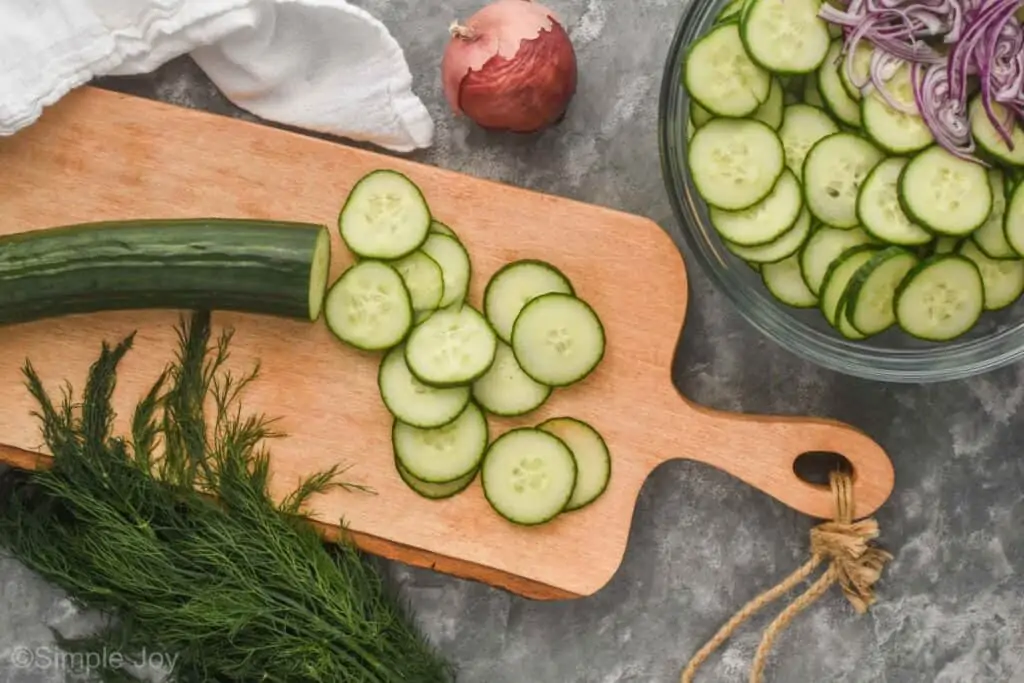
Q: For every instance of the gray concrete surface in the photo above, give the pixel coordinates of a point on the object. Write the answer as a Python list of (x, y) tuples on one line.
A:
[(951, 606)]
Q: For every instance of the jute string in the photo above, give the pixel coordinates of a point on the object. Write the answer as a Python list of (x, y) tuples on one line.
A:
[(854, 563)]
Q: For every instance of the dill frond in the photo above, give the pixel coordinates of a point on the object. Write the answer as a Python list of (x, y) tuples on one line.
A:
[(185, 550)]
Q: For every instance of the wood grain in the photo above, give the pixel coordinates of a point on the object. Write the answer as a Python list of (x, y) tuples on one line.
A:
[(99, 155)]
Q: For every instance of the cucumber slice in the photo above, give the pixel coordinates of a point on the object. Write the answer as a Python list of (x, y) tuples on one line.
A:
[(699, 115), (735, 163), (558, 339), (589, 450), (830, 85), (431, 490), (764, 221), (369, 306), (990, 139), (786, 282), (453, 346), (941, 298), (785, 36), (834, 170), (424, 280), (944, 193), (879, 210), (897, 132), (516, 284), (870, 295), (860, 63), (442, 454), (720, 75), (991, 237), (413, 402), (1002, 279), (528, 476), (771, 111), (803, 126), (731, 10), (384, 217), (946, 245), (823, 248), (456, 270), (838, 277), (1013, 220), (811, 94), (787, 244), (440, 228), (505, 389)]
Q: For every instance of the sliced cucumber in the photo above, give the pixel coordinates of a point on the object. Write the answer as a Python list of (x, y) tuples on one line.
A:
[(452, 257), (369, 306), (944, 193), (879, 210), (528, 476), (771, 111), (803, 126), (811, 94), (515, 285), (895, 130), (385, 216), (505, 389), (941, 298), (1013, 220), (766, 220), (440, 228), (786, 283), (558, 339), (991, 237), (869, 298), (735, 163), (453, 346), (834, 170), (699, 115), (732, 10), (823, 248), (785, 36), (838, 278), (787, 244), (860, 63), (946, 245), (424, 280), (833, 94), (720, 75), (1002, 279), (988, 137), (413, 402), (431, 490), (442, 454), (589, 450)]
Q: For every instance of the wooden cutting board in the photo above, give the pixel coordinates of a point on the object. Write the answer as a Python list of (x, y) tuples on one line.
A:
[(99, 155)]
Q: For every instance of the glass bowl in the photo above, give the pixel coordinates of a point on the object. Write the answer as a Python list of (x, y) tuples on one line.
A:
[(892, 356)]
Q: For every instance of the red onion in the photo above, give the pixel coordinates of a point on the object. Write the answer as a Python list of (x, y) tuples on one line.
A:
[(945, 42), (511, 66)]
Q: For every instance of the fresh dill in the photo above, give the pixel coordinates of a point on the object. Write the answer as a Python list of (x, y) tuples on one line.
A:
[(172, 533)]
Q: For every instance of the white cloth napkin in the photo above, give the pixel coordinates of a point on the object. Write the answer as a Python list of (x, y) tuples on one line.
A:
[(323, 65)]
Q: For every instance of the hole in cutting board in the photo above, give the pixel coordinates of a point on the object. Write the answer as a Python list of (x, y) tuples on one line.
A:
[(814, 466)]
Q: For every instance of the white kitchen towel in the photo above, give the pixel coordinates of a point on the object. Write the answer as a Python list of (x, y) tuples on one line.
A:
[(323, 65)]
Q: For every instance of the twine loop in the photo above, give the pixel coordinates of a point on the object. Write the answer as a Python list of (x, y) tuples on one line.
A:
[(853, 562)]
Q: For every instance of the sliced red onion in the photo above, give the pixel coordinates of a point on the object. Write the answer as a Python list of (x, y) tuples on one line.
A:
[(944, 115)]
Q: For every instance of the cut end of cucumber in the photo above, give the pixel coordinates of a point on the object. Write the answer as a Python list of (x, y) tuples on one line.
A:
[(528, 476), (319, 273)]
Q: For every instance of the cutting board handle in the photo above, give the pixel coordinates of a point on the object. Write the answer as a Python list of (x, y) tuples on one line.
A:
[(762, 451)]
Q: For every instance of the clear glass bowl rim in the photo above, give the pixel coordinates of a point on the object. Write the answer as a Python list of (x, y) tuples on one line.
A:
[(957, 360)]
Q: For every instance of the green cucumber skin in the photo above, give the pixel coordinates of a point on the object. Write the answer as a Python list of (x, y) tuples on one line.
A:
[(908, 279), (242, 265), (856, 284)]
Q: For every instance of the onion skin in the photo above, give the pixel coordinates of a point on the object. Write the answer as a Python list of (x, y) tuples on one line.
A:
[(510, 67)]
